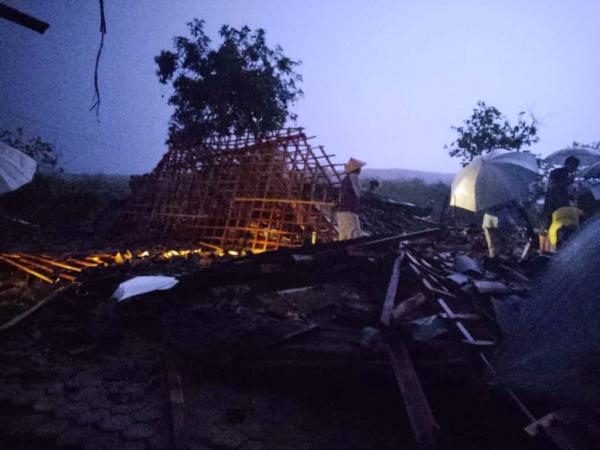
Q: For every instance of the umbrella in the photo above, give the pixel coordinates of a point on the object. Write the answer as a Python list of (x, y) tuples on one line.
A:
[(586, 157), (595, 189), (16, 168), (493, 179), (592, 171)]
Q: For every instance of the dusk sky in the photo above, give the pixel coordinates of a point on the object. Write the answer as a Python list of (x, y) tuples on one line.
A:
[(384, 80)]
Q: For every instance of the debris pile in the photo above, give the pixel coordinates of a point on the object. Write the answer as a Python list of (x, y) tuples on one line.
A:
[(329, 342), (240, 349)]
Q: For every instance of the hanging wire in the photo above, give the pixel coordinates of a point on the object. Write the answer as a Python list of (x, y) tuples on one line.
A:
[(96, 105)]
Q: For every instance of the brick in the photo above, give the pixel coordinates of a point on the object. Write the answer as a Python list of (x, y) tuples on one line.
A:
[(100, 402), (92, 416), (48, 403), (71, 410), (25, 398), (75, 436), (9, 391), (228, 438), (252, 445), (160, 441), (115, 423), (57, 388), (148, 414), (103, 441), (51, 429), (25, 424), (134, 445), (128, 408), (140, 431)]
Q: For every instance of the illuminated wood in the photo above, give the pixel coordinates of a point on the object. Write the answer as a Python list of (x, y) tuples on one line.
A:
[(26, 269)]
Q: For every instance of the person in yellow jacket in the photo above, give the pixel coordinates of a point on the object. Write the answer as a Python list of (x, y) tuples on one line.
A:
[(565, 221)]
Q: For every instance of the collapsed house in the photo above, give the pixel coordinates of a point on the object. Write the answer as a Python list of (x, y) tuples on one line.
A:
[(238, 193), (370, 343)]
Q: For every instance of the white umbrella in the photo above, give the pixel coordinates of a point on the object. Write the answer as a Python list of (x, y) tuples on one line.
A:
[(586, 157), (16, 168), (493, 179)]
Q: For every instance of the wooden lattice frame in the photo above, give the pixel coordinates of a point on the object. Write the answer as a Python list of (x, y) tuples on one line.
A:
[(238, 193)]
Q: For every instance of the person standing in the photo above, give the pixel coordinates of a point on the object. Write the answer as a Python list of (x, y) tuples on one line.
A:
[(557, 196), (500, 227), (349, 203), (557, 193)]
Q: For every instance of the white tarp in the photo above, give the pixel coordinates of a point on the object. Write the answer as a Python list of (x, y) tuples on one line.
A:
[(142, 285), (16, 168)]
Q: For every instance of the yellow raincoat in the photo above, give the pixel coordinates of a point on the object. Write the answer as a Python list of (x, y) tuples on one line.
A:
[(563, 217)]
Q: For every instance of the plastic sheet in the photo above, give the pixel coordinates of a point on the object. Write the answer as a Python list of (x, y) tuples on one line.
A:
[(16, 168), (143, 285)]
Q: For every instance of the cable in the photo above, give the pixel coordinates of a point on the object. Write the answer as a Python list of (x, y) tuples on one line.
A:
[(96, 104)]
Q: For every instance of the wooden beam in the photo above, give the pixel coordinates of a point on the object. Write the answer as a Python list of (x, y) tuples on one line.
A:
[(26, 269), (25, 20), (392, 290), (176, 398), (11, 323), (396, 238), (282, 200), (419, 413)]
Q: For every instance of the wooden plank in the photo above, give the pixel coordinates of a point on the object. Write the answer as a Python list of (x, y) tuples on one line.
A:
[(26, 269), (176, 399), (419, 412), (392, 291), (25, 20), (282, 200), (397, 238), (51, 262), (14, 321)]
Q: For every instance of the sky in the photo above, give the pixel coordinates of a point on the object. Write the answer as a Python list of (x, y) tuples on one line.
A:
[(384, 80)]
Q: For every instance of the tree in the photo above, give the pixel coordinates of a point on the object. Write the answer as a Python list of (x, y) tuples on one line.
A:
[(42, 152), (488, 129), (593, 146), (243, 85)]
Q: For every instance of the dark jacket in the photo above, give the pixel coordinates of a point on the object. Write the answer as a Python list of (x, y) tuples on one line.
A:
[(557, 194), (349, 201)]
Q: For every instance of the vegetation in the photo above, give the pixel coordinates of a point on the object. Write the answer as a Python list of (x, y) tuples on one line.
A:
[(415, 191), (241, 85), (594, 146), (488, 129), (42, 152), (75, 204)]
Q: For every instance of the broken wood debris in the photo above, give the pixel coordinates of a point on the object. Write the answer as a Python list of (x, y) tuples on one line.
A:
[(220, 317)]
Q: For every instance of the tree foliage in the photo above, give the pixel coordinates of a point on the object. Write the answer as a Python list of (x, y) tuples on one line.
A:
[(593, 146), (488, 129), (241, 85), (42, 152)]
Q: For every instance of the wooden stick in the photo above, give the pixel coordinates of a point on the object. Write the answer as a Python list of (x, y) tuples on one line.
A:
[(26, 269), (419, 412), (14, 321), (392, 291), (282, 200)]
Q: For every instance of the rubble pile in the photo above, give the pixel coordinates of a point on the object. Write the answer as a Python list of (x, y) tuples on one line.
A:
[(247, 326), (369, 343)]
